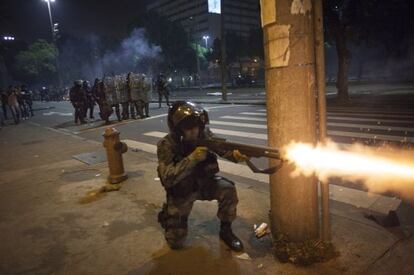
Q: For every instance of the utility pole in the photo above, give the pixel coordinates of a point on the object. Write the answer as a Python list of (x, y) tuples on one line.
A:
[(320, 80), (223, 64), (291, 112), (194, 39), (54, 37)]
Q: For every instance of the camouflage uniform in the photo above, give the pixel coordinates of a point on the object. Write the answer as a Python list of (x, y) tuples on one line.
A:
[(186, 181)]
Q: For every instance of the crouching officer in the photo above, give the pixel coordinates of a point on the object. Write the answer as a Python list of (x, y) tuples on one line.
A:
[(188, 173)]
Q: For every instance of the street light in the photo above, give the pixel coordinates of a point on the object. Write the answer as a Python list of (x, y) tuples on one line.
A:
[(50, 17), (8, 38), (54, 29), (206, 37)]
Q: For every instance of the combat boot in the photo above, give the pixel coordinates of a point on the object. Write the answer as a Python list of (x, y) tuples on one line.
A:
[(228, 237)]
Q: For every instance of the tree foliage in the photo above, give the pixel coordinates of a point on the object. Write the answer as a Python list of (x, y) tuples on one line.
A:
[(38, 62)]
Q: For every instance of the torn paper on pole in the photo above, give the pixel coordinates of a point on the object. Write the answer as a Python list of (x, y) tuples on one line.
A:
[(278, 46)]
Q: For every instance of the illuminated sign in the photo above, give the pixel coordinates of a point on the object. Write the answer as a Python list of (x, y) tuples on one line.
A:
[(214, 6)]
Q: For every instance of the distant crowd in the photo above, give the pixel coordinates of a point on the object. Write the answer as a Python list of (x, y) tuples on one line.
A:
[(16, 104)]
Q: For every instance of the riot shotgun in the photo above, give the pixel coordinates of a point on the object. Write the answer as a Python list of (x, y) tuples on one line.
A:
[(217, 145)]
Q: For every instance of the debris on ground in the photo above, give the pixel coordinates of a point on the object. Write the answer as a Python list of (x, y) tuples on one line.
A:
[(244, 256), (110, 188), (261, 230), (303, 253)]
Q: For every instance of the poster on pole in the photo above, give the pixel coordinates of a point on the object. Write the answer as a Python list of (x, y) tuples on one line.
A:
[(214, 6), (268, 11)]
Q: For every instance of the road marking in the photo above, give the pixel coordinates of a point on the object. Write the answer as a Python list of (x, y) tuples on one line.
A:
[(330, 132), (245, 118), (371, 136), (144, 119), (156, 134), (238, 124), (334, 124), (57, 113), (367, 110), (371, 127), (334, 116), (349, 112), (159, 134), (351, 196), (371, 120), (382, 115), (253, 114)]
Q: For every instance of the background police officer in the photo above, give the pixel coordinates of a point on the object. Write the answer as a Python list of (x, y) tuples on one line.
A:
[(78, 99), (188, 173), (90, 99), (162, 90)]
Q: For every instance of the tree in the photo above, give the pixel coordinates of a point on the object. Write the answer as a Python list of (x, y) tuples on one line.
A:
[(338, 24), (376, 23), (37, 63)]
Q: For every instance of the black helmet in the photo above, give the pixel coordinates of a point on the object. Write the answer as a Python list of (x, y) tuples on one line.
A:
[(186, 115)]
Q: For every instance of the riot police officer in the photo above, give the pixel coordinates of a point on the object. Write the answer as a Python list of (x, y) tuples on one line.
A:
[(188, 173), (162, 90), (28, 100), (90, 99), (78, 99)]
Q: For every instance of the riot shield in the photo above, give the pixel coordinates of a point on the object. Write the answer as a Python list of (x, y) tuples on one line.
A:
[(147, 88), (121, 88), (109, 89), (135, 86)]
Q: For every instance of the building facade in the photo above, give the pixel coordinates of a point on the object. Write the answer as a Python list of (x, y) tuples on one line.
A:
[(201, 18)]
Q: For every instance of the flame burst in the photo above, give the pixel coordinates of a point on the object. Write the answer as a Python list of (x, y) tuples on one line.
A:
[(381, 169)]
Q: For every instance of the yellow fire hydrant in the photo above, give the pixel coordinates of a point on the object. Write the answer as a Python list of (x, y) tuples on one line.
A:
[(114, 150)]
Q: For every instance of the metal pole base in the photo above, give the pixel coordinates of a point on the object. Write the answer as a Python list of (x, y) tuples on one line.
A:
[(114, 179)]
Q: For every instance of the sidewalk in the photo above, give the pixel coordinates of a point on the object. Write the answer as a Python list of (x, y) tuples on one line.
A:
[(50, 221)]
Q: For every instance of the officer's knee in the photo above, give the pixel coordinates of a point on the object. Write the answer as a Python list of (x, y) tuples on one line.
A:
[(229, 193)]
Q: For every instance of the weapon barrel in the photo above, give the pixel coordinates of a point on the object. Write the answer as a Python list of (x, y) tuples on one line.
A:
[(249, 150)]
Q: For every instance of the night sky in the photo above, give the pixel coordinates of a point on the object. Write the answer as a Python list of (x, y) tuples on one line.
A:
[(29, 20)]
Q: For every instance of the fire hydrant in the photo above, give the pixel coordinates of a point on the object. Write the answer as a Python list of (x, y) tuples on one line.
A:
[(114, 150)]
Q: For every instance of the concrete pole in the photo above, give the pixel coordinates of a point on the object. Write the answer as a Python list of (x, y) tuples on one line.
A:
[(291, 112), (320, 80)]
